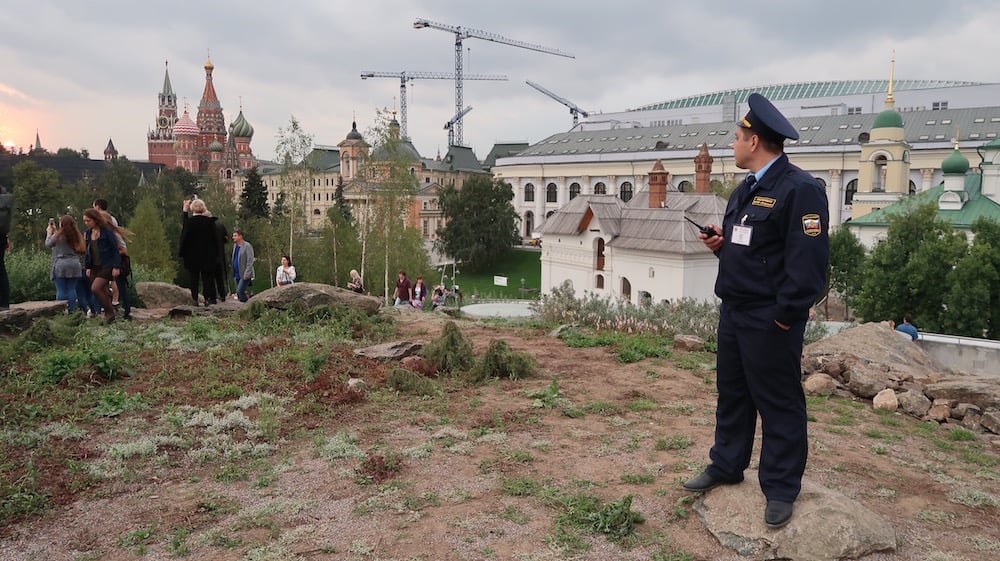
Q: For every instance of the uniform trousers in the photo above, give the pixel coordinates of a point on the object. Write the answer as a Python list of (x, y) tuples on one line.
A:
[(759, 370)]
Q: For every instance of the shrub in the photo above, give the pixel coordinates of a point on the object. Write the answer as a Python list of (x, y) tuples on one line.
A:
[(450, 353), (500, 361), (407, 381), (29, 271)]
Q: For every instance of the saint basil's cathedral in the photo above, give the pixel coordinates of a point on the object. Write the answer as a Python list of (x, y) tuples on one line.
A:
[(201, 146)]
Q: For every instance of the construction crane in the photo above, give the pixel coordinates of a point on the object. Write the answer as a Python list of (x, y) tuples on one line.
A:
[(575, 111), (408, 76), (465, 32), (451, 125)]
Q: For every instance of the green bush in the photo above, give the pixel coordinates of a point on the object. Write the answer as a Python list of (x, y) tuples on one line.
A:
[(30, 274), (450, 353), (499, 361), (410, 382)]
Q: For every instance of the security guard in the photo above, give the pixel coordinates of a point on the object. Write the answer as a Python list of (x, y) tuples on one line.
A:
[(773, 250)]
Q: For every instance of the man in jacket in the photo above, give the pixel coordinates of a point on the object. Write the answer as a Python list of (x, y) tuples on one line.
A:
[(242, 264)]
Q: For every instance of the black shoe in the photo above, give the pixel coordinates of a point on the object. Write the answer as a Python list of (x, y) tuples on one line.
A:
[(777, 513), (705, 482)]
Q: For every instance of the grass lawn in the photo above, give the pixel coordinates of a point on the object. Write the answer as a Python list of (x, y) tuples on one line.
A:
[(518, 264)]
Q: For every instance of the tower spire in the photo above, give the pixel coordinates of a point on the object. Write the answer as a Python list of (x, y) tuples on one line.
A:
[(168, 90), (38, 142), (889, 101)]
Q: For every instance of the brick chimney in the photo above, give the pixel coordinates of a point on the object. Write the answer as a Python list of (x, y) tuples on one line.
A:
[(703, 170), (658, 186)]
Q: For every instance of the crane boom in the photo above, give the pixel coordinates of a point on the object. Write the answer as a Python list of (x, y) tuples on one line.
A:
[(574, 110), (466, 32), (409, 75), (450, 125)]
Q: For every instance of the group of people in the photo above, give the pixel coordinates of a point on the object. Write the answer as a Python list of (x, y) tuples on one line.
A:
[(90, 270), (202, 249), (416, 294)]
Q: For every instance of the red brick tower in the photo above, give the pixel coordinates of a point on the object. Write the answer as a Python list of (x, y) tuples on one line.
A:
[(211, 122), (658, 178), (703, 170), (160, 140)]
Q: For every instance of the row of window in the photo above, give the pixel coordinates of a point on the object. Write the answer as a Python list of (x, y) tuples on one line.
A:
[(552, 191)]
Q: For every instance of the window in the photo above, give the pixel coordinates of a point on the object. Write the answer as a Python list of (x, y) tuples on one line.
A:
[(599, 256), (529, 193), (529, 224), (425, 205), (574, 191), (939, 105), (427, 180), (551, 193), (425, 228), (849, 191), (600, 188), (913, 187), (626, 289), (625, 192), (685, 187), (599, 281)]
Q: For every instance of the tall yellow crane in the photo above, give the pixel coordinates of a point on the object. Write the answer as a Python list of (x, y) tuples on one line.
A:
[(409, 75), (462, 33)]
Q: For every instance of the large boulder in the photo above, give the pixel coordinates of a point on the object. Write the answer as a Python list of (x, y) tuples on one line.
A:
[(161, 295), (826, 526), (312, 294), (20, 316), (982, 392)]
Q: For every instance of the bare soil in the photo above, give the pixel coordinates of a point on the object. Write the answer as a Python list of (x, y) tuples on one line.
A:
[(449, 503)]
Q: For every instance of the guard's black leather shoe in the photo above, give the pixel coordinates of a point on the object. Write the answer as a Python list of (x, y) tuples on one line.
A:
[(777, 513), (704, 482)]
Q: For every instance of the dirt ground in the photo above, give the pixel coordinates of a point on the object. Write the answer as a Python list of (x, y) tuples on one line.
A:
[(459, 451)]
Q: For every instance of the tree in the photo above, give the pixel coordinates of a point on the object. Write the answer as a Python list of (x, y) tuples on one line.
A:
[(908, 271), (293, 148), (973, 298), (37, 198), (149, 245), (119, 185), (341, 202), (847, 257), (481, 223), (253, 199)]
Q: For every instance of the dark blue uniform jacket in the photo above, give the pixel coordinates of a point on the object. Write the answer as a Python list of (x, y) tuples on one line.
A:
[(779, 275)]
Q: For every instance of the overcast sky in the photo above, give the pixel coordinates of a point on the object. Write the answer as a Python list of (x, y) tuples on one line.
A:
[(85, 71)]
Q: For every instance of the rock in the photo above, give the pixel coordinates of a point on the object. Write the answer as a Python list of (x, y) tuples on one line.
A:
[(878, 345), (356, 384), (558, 332), (886, 400), (389, 351), (991, 420), (689, 343), (20, 316), (826, 526), (940, 411), (819, 384), (312, 294), (162, 294), (973, 420), (962, 409), (982, 392), (865, 380), (914, 403)]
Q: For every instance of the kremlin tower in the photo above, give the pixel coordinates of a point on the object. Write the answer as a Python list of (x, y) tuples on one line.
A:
[(201, 146)]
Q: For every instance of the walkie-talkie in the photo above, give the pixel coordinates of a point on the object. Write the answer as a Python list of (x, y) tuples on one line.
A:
[(703, 229)]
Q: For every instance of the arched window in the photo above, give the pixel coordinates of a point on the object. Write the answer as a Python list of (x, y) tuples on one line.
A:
[(574, 190), (913, 187), (626, 289), (551, 193), (599, 255), (821, 182), (599, 281), (529, 193), (316, 212), (549, 213), (685, 187), (625, 192), (878, 182), (529, 224), (849, 191), (600, 188)]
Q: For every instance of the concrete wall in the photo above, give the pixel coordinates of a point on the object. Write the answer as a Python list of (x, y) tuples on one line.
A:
[(963, 354)]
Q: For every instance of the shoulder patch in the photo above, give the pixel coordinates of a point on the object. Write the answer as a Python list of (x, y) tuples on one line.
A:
[(766, 202), (811, 225)]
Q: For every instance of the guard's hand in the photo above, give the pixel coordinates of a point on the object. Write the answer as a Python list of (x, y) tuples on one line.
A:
[(715, 242)]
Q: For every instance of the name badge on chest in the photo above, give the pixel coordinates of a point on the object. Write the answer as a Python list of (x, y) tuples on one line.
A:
[(742, 234)]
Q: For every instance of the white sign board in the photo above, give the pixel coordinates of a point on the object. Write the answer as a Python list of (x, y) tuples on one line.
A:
[(500, 281)]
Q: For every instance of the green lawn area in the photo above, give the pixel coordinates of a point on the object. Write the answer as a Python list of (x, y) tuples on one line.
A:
[(518, 264)]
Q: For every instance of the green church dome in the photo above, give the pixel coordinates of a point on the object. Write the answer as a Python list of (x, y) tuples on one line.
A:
[(215, 146), (889, 118), (956, 164), (240, 127)]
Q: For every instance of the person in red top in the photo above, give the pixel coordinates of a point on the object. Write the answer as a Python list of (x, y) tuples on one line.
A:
[(403, 293)]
